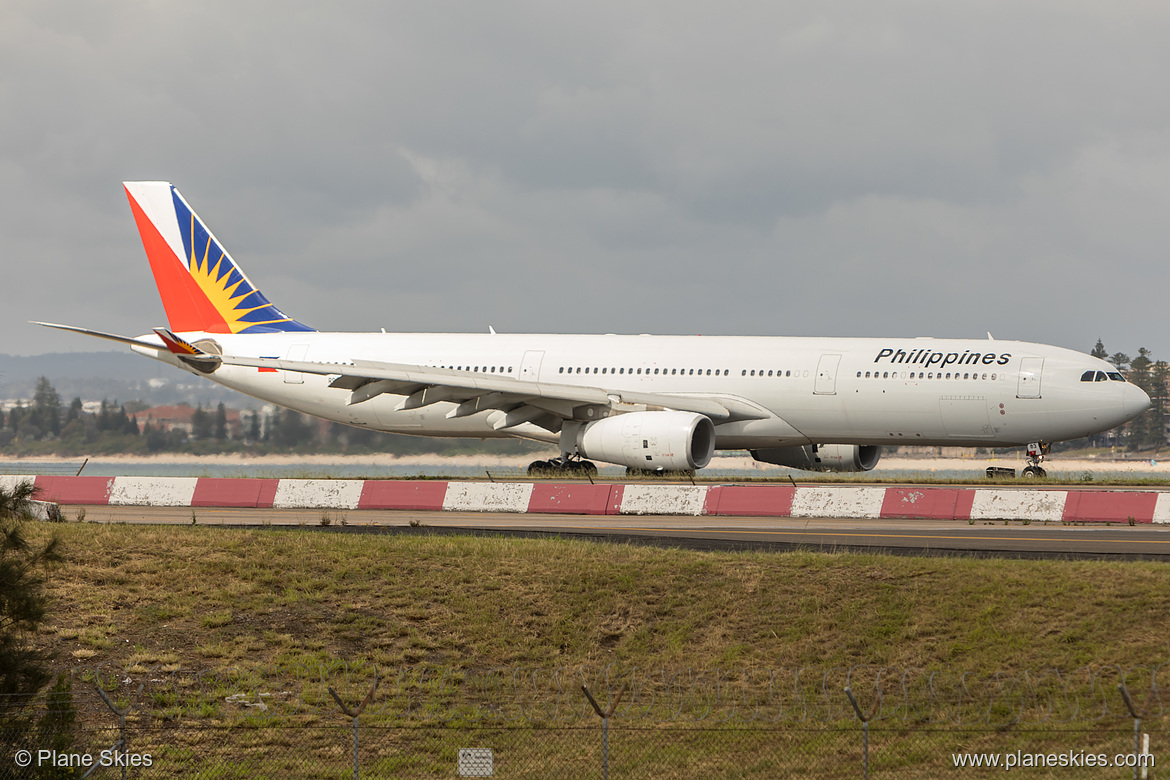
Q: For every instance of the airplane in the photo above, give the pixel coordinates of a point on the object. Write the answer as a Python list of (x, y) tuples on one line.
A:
[(649, 403)]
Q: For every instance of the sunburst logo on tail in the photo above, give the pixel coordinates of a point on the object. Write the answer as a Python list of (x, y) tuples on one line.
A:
[(243, 307)]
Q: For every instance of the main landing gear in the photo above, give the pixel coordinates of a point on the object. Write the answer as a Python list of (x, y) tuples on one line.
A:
[(571, 466), (1036, 453)]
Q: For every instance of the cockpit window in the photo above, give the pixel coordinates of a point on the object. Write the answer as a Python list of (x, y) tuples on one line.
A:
[(1087, 376), (1116, 376), (1101, 377)]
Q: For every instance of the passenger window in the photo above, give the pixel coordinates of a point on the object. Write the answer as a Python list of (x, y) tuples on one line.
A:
[(1087, 376), (708, 372), (993, 377), (753, 372), (578, 369), (885, 375)]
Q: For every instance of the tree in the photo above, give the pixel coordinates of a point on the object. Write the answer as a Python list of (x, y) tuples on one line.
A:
[(1141, 429), (1099, 351), (1119, 359), (23, 598), (1159, 393), (46, 408), (200, 424), (220, 427)]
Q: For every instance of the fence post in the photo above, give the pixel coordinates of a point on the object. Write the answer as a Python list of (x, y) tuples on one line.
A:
[(864, 718), (354, 714), (605, 716), (1137, 726), (121, 728)]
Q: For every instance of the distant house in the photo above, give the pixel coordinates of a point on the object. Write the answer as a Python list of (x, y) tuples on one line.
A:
[(169, 418), (179, 418)]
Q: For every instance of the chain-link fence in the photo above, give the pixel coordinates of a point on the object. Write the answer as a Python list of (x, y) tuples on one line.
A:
[(340, 721)]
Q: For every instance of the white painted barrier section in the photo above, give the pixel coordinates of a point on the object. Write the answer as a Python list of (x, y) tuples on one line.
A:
[(318, 494), (1162, 508), (487, 497), (45, 510), (153, 491), (1038, 505), (9, 481), (663, 500), (838, 502)]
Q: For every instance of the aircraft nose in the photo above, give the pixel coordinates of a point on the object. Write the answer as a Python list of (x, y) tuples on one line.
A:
[(1134, 401)]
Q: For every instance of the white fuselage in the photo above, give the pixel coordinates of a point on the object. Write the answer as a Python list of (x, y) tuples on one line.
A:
[(861, 391)]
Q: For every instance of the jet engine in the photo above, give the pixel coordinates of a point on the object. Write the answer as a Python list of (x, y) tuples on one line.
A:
[(822, 457), (668, 441)]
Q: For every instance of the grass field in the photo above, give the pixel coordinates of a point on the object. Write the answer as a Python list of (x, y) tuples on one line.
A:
[(208, 598), (254, 608)]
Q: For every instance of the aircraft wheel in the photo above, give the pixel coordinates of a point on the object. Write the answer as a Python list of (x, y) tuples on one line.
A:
[(1034, 472), (538, 468)]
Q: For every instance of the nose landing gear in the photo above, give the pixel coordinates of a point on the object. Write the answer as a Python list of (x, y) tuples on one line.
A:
[(1036, 452)]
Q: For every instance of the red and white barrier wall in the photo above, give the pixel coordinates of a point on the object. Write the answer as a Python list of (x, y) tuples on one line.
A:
[(940, 503)]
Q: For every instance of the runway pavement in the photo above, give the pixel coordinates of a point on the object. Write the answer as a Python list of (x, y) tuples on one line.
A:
[(903, 537)]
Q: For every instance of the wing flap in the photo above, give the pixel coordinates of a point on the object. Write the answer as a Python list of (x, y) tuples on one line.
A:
[(492, 392)]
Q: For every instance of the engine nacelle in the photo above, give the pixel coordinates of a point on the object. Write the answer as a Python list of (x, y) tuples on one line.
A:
[(822, 457), (671, 441)]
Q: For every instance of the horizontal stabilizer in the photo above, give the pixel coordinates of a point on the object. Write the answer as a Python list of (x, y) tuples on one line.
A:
[(99, 334)]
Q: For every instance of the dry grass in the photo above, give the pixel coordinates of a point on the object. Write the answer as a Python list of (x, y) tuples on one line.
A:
[(212, 598)]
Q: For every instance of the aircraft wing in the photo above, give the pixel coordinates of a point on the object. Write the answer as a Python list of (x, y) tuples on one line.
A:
[(522, 400)]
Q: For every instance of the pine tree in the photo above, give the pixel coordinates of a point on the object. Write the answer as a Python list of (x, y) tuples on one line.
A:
[(1159, 393), (1099, 351), (1139, 374), (23, 598), (220, 422), (1119, 359), (200, 424), (46, 408)]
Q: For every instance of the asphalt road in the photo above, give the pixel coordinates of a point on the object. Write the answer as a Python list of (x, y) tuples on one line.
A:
[(903, 537)]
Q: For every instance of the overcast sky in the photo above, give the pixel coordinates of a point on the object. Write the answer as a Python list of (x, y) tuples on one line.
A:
[(780, 168)]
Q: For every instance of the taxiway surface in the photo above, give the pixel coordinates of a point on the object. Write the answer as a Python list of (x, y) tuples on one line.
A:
[(904, 537)]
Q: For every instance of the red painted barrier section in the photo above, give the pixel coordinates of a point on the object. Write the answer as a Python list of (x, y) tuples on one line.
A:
[(75, 490), (1109, 506), (749, 500), (421, 495), (928, 503), (222, 491), (963, 504), (617, 493), (573, 499)]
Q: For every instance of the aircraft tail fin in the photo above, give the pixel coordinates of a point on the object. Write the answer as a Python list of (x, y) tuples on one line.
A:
[(201, 286)]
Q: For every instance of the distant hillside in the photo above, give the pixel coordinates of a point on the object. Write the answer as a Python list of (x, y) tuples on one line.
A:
[(123, 375)]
